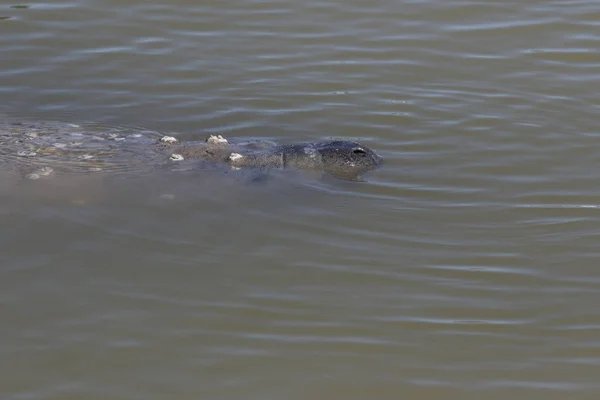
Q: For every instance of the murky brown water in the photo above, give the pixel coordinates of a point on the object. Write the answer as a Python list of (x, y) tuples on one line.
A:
[(466, 268)]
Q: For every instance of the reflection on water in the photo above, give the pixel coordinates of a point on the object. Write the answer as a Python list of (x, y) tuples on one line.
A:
[(465, 267)]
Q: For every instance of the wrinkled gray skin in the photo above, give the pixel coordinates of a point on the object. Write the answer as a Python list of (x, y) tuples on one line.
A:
[(39, 149)]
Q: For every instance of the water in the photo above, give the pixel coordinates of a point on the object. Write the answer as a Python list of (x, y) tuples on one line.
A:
[(465, 267)]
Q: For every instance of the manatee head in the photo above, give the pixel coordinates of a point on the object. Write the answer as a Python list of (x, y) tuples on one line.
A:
[(347, 160), (342, 159)]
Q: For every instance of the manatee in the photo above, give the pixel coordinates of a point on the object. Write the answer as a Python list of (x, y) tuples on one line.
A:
[(37, 149)]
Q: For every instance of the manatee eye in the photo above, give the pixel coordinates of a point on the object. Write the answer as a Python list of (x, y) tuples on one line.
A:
[(359, 151)]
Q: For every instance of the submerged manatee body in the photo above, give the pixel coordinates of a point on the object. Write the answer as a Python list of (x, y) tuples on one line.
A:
[(38, 149)]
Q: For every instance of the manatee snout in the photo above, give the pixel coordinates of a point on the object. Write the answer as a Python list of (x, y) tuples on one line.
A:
[(348, 160)]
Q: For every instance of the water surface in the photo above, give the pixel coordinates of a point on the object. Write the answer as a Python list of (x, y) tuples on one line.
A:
[(465, 267)]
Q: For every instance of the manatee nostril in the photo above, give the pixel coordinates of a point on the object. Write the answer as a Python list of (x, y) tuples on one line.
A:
[(360, 151)]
